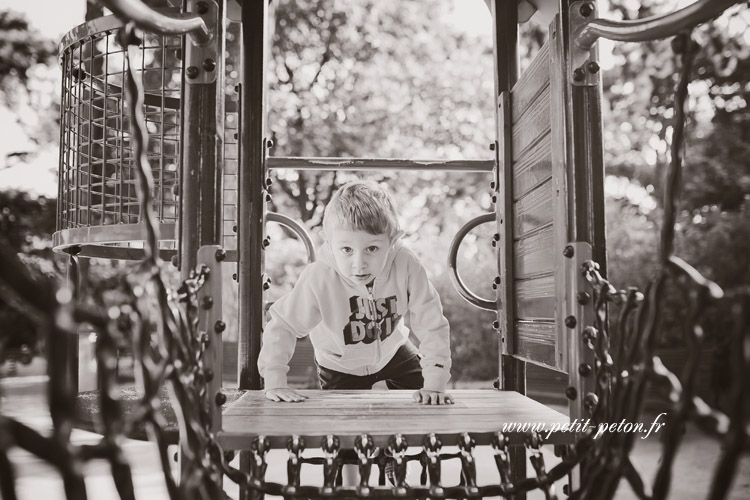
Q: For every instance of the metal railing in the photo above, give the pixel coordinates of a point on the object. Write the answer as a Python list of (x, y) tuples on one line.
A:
[(148, 19), (455, 277), (650, 28)]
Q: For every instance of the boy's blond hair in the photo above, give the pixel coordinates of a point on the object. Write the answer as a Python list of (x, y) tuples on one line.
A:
[(362, 206)]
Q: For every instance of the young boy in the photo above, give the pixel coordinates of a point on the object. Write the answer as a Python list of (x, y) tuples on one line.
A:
[(352, 302)]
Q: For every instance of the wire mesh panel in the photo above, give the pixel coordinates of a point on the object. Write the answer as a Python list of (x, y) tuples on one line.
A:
[(97, 183)]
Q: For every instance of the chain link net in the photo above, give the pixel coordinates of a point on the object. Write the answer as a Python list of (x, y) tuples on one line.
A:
[(130, 310)]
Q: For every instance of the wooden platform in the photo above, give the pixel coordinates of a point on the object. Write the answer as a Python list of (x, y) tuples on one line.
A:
[(348, 414)]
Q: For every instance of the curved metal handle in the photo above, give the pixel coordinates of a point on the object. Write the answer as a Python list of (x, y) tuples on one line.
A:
[(298, 229), (468, 295), (651, 28), (149, 19)]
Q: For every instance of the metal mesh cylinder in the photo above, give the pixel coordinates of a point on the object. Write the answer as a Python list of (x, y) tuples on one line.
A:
[(98, 207)]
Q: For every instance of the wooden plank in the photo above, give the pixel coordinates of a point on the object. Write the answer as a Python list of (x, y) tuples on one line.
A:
[(535, 298), (536, 341), (532, 83), (561, 208), (534, 211), (348, 414), (533, 255), (532, 125), (533, 167)]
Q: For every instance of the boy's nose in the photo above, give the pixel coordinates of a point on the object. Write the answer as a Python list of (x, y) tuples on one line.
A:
[(359, 263)]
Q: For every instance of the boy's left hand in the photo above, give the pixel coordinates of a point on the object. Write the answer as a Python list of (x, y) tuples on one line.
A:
[(426, 397)]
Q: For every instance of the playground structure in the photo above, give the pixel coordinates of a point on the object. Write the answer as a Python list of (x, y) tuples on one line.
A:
[(136, 184)]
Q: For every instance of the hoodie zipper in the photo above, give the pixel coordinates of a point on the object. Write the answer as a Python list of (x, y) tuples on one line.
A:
[(374, 314)]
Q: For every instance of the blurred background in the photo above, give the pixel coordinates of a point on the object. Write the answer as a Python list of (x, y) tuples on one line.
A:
[(414, 79)]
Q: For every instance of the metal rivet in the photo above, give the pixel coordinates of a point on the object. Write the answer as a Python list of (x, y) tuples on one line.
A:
[(269, 182), (496, 325), (496, 237), (593, 67), (266, 242), (220, 399), (175, 261), (221, 254), (591, 401), (579, 75), (566, 489), (269, 143), (571, 393), (586, 10), (492, 185), (268, 198), (234, 228), (497, 280), (584, 297), (493, 243), (492, 146), (220, 326), (571, 322), (234, 276), (207, 302), (568, 252), (494, 198), (192, 72), (209, 64), (266, 286), (584, 369)]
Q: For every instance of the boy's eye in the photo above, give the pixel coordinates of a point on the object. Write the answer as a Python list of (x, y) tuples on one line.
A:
[(373, 249), (346, 249)]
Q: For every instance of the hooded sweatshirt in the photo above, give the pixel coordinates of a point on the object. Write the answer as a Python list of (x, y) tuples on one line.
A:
[(357, 329)]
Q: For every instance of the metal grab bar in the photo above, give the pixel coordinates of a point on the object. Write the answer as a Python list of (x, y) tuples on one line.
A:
[(298, 229), (362, 164), (150, 20), (651, 28), (468, 295)]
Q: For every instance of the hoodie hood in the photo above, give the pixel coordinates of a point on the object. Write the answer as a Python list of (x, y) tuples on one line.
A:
[(325, 256)]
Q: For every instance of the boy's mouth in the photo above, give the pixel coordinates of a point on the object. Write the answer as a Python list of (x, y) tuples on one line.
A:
[(361, 276)]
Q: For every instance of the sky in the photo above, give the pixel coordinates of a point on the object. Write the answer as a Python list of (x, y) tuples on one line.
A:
[(54, 18)]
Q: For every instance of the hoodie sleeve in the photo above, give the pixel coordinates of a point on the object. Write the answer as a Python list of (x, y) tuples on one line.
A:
[(430, 326), (292, 317)]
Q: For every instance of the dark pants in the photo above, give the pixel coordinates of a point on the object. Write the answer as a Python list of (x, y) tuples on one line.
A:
[(403, 371)]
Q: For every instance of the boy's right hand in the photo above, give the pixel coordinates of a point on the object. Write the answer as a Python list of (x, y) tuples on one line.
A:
[(284, 395)]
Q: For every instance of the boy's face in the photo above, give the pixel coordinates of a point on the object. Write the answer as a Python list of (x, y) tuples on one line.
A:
[(359, 255)]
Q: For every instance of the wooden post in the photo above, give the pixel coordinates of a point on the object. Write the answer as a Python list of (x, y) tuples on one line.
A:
[(512, 372), (580, 118), (252, 194), (201, 179)]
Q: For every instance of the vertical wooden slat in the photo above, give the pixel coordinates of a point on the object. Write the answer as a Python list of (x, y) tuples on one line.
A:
[(559, 95), (201, 179)]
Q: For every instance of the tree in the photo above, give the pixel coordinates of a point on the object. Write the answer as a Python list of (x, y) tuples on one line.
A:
[(379, 79), (27, 82)]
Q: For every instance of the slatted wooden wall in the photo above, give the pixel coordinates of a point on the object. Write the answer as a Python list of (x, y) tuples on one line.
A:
[(535, 275)]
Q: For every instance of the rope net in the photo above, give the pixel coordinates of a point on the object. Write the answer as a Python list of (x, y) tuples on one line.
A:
[(128, 311)]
